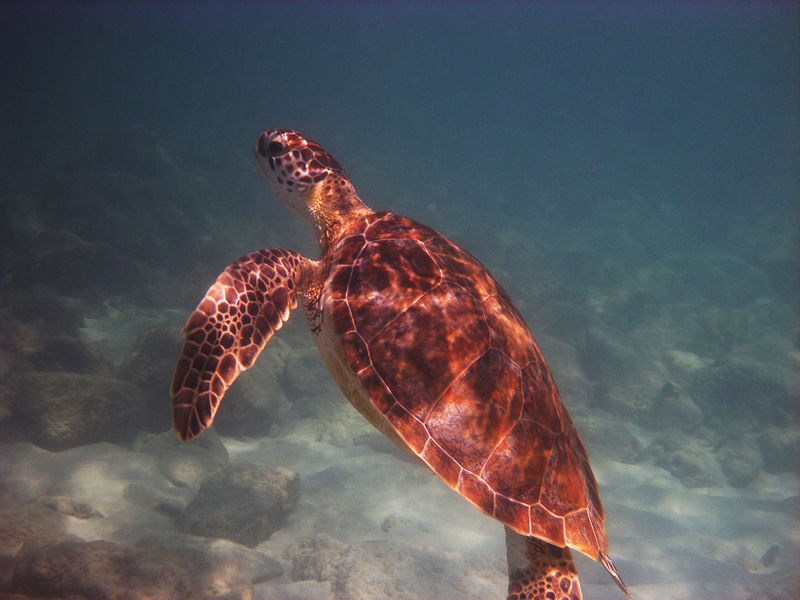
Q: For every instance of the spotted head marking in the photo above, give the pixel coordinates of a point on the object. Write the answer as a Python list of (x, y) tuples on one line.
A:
[(308, 179), (294, 161)]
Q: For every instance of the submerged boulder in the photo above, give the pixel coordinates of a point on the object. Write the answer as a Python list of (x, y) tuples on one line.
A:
[(358, 571), (60, 410), (305, 374), (675, 409), (70, 354), (22, 522), (780, 448), (153, 568), (184, 464), (740, 460), (244, 503), (251, 406), (150, 367), (742, 392), (687, 458)]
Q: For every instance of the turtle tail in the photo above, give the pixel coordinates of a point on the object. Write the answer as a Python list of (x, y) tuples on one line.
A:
[(612, 570)]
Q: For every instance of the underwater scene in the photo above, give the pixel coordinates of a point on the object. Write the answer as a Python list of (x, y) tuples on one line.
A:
[(627, 171)]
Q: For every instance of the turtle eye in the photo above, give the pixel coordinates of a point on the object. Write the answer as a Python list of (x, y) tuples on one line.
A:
[(276, 147)]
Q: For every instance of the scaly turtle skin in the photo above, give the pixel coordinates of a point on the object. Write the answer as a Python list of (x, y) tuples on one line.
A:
[(426, 345)]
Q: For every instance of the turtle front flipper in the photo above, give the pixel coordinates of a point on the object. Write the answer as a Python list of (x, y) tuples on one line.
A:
[(538, 570), (246, 305)]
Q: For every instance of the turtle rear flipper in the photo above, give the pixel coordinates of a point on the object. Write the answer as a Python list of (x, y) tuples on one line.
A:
[(538, 570), (242, 310)]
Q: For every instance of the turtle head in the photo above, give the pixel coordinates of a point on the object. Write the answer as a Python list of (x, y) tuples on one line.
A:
[(308, 179)]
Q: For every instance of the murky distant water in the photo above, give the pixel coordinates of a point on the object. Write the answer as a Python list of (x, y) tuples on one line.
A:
[(628, 171)]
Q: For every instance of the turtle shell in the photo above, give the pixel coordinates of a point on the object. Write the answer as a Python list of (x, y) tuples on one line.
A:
[(443, 354)]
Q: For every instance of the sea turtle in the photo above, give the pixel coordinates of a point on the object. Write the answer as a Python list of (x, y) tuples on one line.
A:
[(425, 344)]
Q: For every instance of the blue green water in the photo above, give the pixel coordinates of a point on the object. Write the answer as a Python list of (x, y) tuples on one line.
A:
[(627, 170)]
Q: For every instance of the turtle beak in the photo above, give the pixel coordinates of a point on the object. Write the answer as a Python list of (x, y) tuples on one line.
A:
[(265, 162), (261, 145)]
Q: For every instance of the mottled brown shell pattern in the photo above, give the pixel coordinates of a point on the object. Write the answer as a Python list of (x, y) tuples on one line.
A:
[(447, 359)]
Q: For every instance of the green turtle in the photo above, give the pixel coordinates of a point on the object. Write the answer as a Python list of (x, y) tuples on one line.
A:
[(426, 345)]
